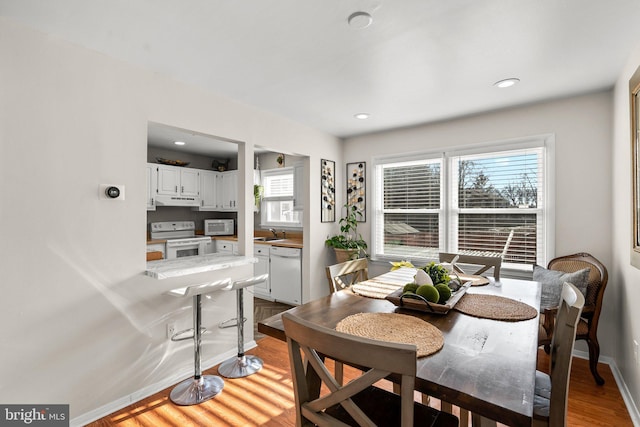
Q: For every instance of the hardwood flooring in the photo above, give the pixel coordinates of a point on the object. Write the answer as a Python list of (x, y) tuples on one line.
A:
[(266, 398)]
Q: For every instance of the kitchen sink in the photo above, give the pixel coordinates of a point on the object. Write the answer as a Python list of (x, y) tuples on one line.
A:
[(267, 239)]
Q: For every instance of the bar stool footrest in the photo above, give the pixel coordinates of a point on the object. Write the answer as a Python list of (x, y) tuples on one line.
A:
[(178, 335), (227, 323)]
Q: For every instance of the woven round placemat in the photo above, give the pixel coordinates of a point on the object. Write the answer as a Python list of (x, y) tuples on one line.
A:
[(495, 307), (394, 327)]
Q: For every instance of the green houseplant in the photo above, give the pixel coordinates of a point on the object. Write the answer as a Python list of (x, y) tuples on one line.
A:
[(349, 244)]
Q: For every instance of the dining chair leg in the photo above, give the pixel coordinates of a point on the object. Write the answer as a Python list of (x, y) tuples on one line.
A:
[(425, 399), (446, 407)]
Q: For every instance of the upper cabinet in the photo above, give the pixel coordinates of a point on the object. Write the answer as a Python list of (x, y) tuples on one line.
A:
[(178, 181), (201, 189), (229, 194), (209, 191), (218, 191)]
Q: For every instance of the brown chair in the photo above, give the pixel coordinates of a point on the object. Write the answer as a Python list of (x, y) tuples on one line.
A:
[(552, 391), (358, 403), (341, 276), (588, 325), (484, 262), (345, 274)]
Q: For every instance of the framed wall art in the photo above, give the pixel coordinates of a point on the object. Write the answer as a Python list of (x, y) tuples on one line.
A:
[(356, 192), (328, 190), (634, 108)]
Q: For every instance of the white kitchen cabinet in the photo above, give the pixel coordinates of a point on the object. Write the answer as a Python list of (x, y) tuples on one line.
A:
[(298, 186), (209, 191), (229, 196), (189, 182), (227, 247), (152, 183), (261, 252), (178, 181)]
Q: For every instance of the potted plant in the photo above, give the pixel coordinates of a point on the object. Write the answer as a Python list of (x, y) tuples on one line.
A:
[(349, 244)]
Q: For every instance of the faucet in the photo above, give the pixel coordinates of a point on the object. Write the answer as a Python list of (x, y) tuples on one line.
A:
[(275, 234)]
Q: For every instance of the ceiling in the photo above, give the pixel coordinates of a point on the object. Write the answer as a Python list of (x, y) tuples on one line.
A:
[(162, 136), (419, 61)]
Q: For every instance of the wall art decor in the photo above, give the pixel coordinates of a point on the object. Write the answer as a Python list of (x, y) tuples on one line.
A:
[(634, 108), (327, 190), (356, 194)]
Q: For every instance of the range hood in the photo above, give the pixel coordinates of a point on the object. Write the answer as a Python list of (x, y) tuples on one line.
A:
[(177, 201)]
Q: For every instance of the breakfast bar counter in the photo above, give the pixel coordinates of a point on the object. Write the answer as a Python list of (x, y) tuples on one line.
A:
[(178, 267)]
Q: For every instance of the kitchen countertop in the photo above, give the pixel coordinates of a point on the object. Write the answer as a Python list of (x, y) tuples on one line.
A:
[(168, 268), (285, 243)]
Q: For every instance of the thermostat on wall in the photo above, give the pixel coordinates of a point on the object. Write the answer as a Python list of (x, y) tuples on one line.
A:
[(111, 192)]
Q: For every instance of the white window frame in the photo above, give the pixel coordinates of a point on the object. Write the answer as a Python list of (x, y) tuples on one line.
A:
[(266, 199), (545, 213)]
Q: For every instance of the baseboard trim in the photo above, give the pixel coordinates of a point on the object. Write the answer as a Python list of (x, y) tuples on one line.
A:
[(150, 390), (622, 386)]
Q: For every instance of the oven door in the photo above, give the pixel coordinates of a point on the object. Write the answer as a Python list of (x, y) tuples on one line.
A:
[(183, 248)]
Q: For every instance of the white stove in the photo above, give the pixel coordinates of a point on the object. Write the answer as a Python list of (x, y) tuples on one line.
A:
[(181, 238)]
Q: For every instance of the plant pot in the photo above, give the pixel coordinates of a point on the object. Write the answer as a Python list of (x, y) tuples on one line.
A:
[(343, 255)]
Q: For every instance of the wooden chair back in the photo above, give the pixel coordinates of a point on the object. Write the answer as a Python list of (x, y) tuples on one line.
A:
[(347, 273), (309, 344), (596, 284), (571, 305), (481, 263)]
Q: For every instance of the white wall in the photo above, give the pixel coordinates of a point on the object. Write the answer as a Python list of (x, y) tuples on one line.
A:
[(582, 129), (82, 324), (624, 278)]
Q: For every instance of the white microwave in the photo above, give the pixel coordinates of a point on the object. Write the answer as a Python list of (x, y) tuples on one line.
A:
[(219, 227)]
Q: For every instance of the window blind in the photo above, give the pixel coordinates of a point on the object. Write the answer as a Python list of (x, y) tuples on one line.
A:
[(487, 202)]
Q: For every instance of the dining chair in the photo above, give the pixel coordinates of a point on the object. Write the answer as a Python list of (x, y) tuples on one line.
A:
[(345, 274), (483, 262), (552, 390), (359, 402), (588, 325), (341, 276)]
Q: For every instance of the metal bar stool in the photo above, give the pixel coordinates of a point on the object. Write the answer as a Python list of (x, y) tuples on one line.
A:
[(198, 388), (242, 365)]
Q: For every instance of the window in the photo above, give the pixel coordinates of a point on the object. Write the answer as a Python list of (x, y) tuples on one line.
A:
[(277, 206), (481, 202)]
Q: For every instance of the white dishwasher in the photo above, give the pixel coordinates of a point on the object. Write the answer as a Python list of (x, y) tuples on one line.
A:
[(285, 274)]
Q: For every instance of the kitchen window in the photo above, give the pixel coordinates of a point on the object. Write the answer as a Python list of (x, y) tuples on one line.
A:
[(277, 205), (475, 201)]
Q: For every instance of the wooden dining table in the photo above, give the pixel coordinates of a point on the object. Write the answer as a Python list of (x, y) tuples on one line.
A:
[(485, 366)]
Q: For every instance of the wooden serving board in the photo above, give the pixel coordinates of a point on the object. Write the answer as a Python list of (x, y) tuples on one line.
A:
[(419, 304)]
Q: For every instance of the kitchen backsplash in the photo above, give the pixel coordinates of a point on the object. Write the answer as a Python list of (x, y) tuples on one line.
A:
[(175, 213)]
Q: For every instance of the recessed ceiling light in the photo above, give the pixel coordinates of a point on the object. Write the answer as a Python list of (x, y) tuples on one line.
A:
[(362, 116), (506, 82), (359, 20), (179, 143)]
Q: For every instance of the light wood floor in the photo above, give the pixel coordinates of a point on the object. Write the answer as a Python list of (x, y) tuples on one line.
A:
[(266, 399)]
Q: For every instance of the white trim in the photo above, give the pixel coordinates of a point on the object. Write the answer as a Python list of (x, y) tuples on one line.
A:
[(143, 393), (449, 212), (622, 386)]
